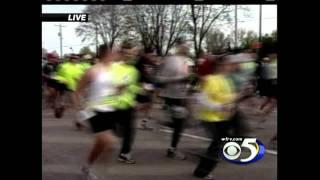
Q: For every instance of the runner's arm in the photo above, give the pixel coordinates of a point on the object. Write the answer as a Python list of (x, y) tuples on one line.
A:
[(203, 100), (83, 83)]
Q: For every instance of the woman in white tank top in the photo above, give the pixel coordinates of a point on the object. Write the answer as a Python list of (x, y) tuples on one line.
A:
[(100, 86)]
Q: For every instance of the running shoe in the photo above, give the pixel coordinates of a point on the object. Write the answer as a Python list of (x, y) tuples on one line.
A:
[(208, 177), (88, 174), (126, 158), (58, 112), (79, 126), (144, 124), (174, 154)]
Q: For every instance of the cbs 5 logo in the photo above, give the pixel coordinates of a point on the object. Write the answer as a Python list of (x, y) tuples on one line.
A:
[(232, 151)]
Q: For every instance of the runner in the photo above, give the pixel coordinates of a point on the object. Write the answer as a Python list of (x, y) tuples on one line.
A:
[(268, 85), (146, 67), (128, 75), (174, 76), (65, 80), (48, 71), (99, 110), (244, 77), (205, 64), (269, 91), (217, 111)]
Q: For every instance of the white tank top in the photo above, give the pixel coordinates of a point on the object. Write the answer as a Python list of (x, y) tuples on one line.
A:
[(101, 88)]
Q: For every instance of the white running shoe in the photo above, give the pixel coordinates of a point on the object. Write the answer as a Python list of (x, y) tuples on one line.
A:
[(89, 175)]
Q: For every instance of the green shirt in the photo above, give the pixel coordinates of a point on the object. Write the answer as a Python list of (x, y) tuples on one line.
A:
[(126, 75), (69, 74)]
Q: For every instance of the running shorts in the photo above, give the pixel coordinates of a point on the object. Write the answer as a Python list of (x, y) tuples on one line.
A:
[(57, 85), (144, 98), (103, 121)]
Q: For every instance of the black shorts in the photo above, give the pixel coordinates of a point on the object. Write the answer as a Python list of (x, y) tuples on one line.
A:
[(103, 121), (57, 85), (144, 98)]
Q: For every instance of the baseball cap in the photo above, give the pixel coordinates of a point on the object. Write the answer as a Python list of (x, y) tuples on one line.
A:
[(52, 57), (73, 56)]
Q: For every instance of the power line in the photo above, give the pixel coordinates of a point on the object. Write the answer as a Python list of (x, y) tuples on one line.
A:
[(231, 22), (91, 44)]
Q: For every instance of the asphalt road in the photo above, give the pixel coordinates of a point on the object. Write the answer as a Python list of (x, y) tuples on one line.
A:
[(64, 150)]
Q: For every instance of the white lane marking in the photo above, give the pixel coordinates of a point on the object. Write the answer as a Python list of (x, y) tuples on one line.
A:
[(207, 139), (187, 135), (271, 152)]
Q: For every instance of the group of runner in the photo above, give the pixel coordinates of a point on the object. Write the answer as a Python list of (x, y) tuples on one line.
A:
[(60, 79), (108, 93)]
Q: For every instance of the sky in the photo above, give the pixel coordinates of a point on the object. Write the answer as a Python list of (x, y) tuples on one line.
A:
[(73, 43)]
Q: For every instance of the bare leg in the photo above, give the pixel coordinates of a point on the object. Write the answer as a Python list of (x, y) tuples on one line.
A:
[(266, 102), (145, 110), (74, 109), (51, 95), (103, 141)]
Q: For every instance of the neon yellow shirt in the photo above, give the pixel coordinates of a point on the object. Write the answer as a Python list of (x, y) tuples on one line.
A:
[(85, 66), (69, 74), (126, 75)]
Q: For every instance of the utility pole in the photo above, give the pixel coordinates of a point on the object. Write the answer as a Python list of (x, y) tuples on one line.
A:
[(60, 35), (260, 23), (97, 40), (71, 49), (236, 27), (260, 32)]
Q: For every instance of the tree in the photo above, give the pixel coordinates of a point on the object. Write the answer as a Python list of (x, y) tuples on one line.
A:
[(105, 20), (159, 26), (178, 25), (269, 44), (217, 41), (274, 35), (202, 19), (149, 23), (86, 50), (249, 39)]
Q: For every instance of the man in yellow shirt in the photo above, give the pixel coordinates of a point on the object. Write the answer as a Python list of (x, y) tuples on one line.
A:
[(65, 80), (217, 99)]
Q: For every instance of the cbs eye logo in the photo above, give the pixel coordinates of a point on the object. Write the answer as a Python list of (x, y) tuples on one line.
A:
[(242, 150)]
